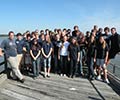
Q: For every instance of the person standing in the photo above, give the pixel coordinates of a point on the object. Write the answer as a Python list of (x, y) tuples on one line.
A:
[(35, 54), (63, 56), (101, 55), (90, 57), (10, 49), (20, 43), (47, 49), (115, 44), (74, 56)]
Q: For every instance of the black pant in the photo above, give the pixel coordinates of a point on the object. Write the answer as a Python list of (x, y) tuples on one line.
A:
[(73, 67), (63, 64), (90, 64), (56, 64)]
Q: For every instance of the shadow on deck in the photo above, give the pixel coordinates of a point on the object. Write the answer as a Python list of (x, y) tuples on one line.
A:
[(55, 88)]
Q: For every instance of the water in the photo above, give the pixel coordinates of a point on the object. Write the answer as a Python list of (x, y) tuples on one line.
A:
[(115, 61)]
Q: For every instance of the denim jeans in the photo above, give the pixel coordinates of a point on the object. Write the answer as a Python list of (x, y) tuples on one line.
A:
[(80, 66), (36, 67), (47, 62), (90, 64)]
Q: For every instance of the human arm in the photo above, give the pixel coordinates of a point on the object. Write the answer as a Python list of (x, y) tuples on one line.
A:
[(1, 52), (31, 53), (43, 53)]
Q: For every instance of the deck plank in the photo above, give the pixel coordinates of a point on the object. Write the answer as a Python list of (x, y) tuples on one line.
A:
[(56, 88)]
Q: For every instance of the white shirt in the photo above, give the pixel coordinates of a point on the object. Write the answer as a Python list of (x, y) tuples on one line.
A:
[(64, 49)]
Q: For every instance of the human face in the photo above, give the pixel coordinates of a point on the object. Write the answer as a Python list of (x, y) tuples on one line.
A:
[(101, 39), (65, 38), (106, 31), (11, 36), (73, 41), (113, 31), (19, 37)]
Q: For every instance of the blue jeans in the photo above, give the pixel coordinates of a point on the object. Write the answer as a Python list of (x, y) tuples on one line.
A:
[(90, 64), (36, 67), (81, 67), (47, 62)]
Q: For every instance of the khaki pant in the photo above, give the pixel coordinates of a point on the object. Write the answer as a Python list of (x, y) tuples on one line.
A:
[(13, 61), (20, 56)]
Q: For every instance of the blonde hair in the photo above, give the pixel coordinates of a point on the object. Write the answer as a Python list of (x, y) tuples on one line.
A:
[(104, 44)]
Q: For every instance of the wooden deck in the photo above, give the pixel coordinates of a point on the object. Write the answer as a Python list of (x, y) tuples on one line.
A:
[(55, 88)]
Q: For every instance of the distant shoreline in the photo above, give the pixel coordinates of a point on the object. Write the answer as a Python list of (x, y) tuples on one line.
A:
[(3, 35)]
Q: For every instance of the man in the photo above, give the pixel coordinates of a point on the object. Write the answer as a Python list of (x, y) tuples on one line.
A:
[(20, 43), (115, 44), (10, 50), (76, 29)]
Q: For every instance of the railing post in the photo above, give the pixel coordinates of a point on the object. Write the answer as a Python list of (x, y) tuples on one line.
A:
[(114, 69), (5, 63)]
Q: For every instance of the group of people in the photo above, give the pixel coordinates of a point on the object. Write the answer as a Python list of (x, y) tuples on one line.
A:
[(63, 51)]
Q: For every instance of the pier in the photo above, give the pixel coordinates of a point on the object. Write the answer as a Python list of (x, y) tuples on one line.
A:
[(55, 88)]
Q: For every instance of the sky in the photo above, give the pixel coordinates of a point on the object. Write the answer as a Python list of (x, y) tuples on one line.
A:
[(22, 15)]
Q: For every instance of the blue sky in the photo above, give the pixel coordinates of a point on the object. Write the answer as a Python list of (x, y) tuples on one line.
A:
[(22, 15)]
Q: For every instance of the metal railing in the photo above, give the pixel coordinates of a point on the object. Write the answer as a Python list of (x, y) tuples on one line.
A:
[(3, 64), (114, 69)]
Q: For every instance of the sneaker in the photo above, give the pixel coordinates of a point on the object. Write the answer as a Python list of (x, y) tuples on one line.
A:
[(92, 78), (48, 76), (22, 80), (61, 74), (64, 75), (107, 81), (98, 77)]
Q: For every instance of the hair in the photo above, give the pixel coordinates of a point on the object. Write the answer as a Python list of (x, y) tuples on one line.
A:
[(41, 31), (107, 28), (28, 35), (19, 34), (104, 43), (49, 40), (113, 28), (90, 40), (74, 38), (10, 33), (46, 30), (76, 26)]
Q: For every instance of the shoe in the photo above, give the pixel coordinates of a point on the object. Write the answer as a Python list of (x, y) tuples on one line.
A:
[(34, 78), (72, 76), (22, 80), (44, 76), (92, 78), (64, 75), (48, 76), (98, 77), (37, 77), (61, 74), (107, 81)]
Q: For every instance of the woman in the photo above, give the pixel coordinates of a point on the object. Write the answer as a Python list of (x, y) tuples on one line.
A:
[(74, 56), (63, 56), (90, 57), (35, 54), (101, 54), (47, 49)]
